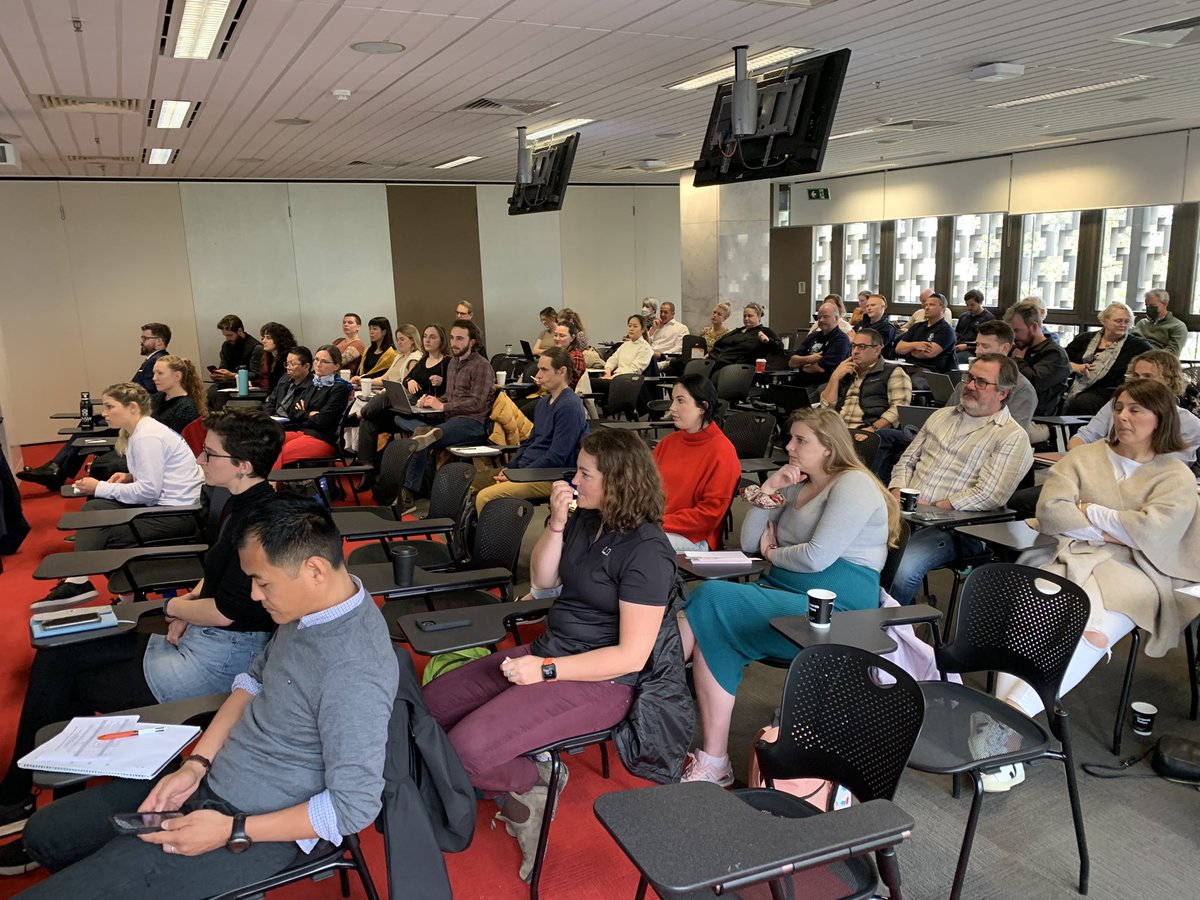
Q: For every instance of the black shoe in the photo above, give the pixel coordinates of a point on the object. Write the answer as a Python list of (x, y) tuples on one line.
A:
[(13, 815), (48, 476), (14, 860), (64, 594)]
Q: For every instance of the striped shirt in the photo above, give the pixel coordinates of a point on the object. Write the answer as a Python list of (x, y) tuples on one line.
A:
[(899, 393), (972, 462)]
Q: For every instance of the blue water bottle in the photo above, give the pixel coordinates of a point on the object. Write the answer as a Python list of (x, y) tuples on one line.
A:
[(243, 381)]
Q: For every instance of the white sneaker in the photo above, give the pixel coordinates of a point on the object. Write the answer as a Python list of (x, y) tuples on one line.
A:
[(1003, 779)]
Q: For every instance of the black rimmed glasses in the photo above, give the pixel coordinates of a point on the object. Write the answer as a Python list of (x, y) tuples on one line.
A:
[(981, 383)]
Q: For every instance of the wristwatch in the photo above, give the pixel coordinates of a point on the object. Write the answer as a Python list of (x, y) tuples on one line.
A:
[(549, 670), (238, 841)]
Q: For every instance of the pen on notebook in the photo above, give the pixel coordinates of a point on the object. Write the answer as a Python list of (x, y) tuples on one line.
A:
[(115, 735)]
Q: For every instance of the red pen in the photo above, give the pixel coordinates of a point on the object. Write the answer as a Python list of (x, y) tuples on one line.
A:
[(115, 735)]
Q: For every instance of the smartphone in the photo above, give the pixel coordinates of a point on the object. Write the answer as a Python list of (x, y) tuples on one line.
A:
[(212, 368), (86, 618), (432, 625), (141, 823)]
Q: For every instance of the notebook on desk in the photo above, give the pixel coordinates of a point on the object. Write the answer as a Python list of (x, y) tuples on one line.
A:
[(77, 749)]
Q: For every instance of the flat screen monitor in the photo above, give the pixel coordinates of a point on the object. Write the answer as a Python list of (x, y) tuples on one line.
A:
[(550, 171), (796, 107)]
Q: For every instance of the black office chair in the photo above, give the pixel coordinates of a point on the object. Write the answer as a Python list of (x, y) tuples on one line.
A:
[(324, 860), (1027, 623), (733, 382), (867, 448), (699, 367), (623, 394), (749, 432), (894, 555), (691, 341)]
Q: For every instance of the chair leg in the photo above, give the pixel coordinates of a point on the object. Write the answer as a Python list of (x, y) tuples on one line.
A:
[(1189, 639), (364, 873), (641, 891), (1135, 642), (604, 757), (539, 856), (964, 854), (1068, 759), (344, 878), (889, 871)]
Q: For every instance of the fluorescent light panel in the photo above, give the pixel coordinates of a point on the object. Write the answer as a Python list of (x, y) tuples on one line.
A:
[(461, 161), (1070, 92), (557, 129), (849, 134), (199, 24), (171, 113), (160, 156), (753, 64)]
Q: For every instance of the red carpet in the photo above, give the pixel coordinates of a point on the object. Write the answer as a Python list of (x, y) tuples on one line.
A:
[(582, 862)]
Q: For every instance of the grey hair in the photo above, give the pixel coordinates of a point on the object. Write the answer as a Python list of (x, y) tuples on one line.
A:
[(1006, 380), (757, 307), (1160, 294)]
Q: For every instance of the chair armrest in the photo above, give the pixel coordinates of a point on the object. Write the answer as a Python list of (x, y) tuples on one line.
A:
[(360, 524), (105, 562), (315, 472), (915, 614), (106, 518), (378, 580)]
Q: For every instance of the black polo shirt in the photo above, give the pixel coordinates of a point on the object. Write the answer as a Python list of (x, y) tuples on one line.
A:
[(597, 573), (942, 335)]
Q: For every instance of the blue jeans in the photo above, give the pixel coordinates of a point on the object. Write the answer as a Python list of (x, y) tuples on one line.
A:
[(205, 662), (928, 549), (455, 432)]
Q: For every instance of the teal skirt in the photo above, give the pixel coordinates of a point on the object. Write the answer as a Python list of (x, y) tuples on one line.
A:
[(732, 622)]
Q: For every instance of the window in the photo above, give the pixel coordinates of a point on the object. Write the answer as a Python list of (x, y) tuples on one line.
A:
[(1049, 258), (822, 255), (1134, 254), (976, 257), (783, 205), (916, 257), (861, 258)]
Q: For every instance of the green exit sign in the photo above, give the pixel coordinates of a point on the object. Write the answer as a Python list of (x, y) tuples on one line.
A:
[(818, 193)]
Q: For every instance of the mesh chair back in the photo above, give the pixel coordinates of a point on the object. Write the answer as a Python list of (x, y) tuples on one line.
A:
[(623, 395), (894, 555), (393, 467), (837, 723), (749, 432), (733, 382), (699, 367), (690, 341), (450, 498), (1019, 620), (499, 532), (867, 448)]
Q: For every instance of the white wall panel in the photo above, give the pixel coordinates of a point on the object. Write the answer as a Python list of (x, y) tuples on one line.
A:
[(856, 198), (656, 242), (1191, 178), (239, 243), (597, 242), (343, 256), (978, 185)]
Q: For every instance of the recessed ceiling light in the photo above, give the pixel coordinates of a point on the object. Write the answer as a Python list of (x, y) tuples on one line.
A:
[(293, 121), (668, 135), (171, 113), (160, 156), (753, 64), (199, 25), (849, 134), (250, 159), (1070, 92), (557, 129), (461, 161), (377, 47)]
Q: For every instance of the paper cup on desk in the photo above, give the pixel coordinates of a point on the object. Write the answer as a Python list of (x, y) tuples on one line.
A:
[(820, 608), (344, 374), (760, 366), (501, 378), (366, 387)]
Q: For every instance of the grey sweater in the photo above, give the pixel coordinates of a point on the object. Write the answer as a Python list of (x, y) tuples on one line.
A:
[(319, 722)]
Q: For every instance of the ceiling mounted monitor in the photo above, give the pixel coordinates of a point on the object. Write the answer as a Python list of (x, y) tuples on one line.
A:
[(541, 187)]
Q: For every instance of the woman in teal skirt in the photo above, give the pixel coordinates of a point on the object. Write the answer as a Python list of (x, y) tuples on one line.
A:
[(822, 521)]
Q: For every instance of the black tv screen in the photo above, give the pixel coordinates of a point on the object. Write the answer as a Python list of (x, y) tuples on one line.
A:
[(796, 107), (550, 171)]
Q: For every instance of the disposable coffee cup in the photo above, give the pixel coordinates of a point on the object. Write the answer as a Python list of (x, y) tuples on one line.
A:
[(1143, 718), (501, 378), (760, 366), (344, 374), (404, 562), (820, 608), (366, 387), (908, 499)]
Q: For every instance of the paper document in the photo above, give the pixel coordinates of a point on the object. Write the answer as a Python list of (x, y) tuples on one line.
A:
[(78, 750), (718, 557)]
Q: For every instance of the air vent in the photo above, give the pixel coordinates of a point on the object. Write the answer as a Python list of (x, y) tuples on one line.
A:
[(497, 107), (1169, 34), (1111, 127), (107, 105), (102, 160)]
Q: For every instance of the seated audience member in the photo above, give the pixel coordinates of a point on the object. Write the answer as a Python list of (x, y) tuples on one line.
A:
[(238, 350), (162, 472), (1159, 327), (969, 456), (874, 309), (842, 322), (1122, 510), (549, 318), (866, 390), (856, 316), (1043, 362), (822, 521), (154, 340), (464, 311), (699, 467), (350, 344), (919, 316), (408, 354), (295, 755), (314, 420), (969, 322), (822, 350), (277, 341), (559, 423), (593, 359), (929, 343), (612, 570), (744, 345), (565, 339), (717, 328), (379, 356), (215, 632), (667, 333), (461, 411), (298, 371), (649, 310), (631, 357), (1100, 359), (428, 376)]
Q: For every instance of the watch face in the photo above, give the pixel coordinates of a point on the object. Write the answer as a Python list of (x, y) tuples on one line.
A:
[(238, 844), (549, 672)]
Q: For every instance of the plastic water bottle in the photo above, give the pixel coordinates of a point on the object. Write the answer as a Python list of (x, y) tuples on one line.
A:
[(85, 410), (243, 381)]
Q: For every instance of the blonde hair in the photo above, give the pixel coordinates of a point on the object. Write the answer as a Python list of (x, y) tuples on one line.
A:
[(190, 380), (1168, 367), (830, 429), (126, 393), (410, 331)]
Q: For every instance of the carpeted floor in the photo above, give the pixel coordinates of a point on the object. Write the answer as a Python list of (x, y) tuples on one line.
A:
[(1143, 832)]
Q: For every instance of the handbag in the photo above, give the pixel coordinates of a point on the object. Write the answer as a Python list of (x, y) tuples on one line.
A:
[(1174, 758)]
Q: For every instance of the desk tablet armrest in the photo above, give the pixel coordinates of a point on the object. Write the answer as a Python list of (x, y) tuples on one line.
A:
[(107, 518), (908, 615), (362, 525), (464, 580), (315, 472), (105, 562)]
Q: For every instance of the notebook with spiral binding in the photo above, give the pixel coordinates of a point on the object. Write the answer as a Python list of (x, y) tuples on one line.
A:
[(78, 750)]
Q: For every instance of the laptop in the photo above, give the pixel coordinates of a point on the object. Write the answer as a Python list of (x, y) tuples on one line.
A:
[(941, 386), (915, 415), (526, 349), (400, 403)]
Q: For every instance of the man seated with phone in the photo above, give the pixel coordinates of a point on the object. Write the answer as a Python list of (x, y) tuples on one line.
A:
[(295, 755)]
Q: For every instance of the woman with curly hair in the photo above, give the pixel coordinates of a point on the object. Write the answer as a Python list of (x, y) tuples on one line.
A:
[(612, 570), (277, 340)]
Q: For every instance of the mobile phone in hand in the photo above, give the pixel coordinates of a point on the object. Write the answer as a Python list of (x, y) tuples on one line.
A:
[(141, 823)]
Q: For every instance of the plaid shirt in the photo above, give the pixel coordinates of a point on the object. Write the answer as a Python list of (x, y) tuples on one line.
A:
[(975, 464), (899, 393)]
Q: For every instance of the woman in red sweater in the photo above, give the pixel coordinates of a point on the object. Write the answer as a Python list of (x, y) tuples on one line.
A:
[(699, 467)]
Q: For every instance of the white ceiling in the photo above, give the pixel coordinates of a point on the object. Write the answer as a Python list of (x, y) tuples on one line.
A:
[(608, 60)]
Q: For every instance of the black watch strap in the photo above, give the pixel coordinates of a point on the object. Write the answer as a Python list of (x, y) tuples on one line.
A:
[(238, 840), (196, 757)]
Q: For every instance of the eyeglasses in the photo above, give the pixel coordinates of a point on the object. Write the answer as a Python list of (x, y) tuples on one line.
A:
[(208, 454), (323, 361), (982, 383), (854, 347)]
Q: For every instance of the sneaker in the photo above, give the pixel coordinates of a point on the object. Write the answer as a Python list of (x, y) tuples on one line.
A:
[(989, 738), (422, 439), (14, 815), (14, 860), (1004, 779), (64, 594), (702, 767), (408, 502)]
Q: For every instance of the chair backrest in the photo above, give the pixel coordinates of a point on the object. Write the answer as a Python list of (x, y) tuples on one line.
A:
[(193, 435), (867, 448), (690, 341), (450, 498), (698, 366), (216, 497), (1019, 620), (733, 382), (838, 723), (499, 533), (892, 563), (393, 467), (749, 432), (623, 395)]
